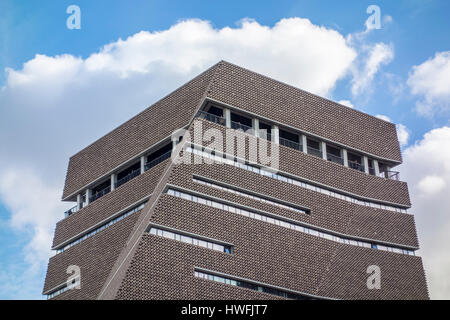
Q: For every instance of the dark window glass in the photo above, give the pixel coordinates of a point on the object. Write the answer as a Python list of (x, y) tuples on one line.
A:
[(127, 171), (101, 186), (313, 144), (160, 152), (215, 111), (265, 126), (354, 158), (241, 119), (334, 151), (289, 136)]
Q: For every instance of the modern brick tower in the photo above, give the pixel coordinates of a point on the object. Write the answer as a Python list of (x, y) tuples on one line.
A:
[(328, 220)]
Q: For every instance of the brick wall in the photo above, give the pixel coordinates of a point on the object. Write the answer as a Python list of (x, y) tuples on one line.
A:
[(95, 256), (163, 268), (108, 205), (326, 212), (264, 96)]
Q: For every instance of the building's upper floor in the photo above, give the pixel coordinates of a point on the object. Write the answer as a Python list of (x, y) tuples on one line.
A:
[(236, 98)]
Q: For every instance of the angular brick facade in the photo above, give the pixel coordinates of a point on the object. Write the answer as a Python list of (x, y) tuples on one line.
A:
[(124, 261)]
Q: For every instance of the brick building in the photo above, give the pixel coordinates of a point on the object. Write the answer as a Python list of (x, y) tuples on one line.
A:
[(146, 226)]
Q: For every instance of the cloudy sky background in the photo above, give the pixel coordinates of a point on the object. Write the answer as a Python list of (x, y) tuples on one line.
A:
[(63, 89)]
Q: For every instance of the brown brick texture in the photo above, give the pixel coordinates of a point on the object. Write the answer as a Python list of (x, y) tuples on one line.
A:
[(124, 262), (108, 205), (95, 256), (326, 212), (243, 89), (272, 99), (163, 268)]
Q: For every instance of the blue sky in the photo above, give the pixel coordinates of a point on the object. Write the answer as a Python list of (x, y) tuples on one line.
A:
[(402, 86)]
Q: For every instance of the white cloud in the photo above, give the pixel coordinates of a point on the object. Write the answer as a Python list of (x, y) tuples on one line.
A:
[(431, 81), (426, 168), (431, 184), (54, 106), (375, 56), (402, 134), (402, 131), (347, 103), (383, 117)]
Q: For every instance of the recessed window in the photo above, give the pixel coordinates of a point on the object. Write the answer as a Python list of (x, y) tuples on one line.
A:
[(128, 174), (355, 161), (225, 279), (265, 131), (290, 139), (100, 190), (313, 147), (334, 154), (214, 110), (240, 122), (189, 239)]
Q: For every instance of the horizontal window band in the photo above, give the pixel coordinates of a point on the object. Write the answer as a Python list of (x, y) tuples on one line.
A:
[(249, 194), (291, 179), (102, 227), (189, 238), (53, 294), (271, 218), (99, 224), (54, 289), (253, 285), (299, 131)]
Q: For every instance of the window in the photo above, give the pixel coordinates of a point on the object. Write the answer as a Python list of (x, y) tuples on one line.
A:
[(240, 122), (334, 154), (225, 279), (265, 131), (249, 195), (314, 147), (355, 161), (127, 174), (189, 239), (100, 190), (214, 110), (159, 152), (289, 139)]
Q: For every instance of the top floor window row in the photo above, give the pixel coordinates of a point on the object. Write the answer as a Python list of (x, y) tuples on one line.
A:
[(298, 141)]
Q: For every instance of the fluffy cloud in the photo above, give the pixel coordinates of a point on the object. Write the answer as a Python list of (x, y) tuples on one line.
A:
[(427, 169), (431, 81), (346, 103), (375, 56), (402, 134), (54, 106), (383, 117)]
